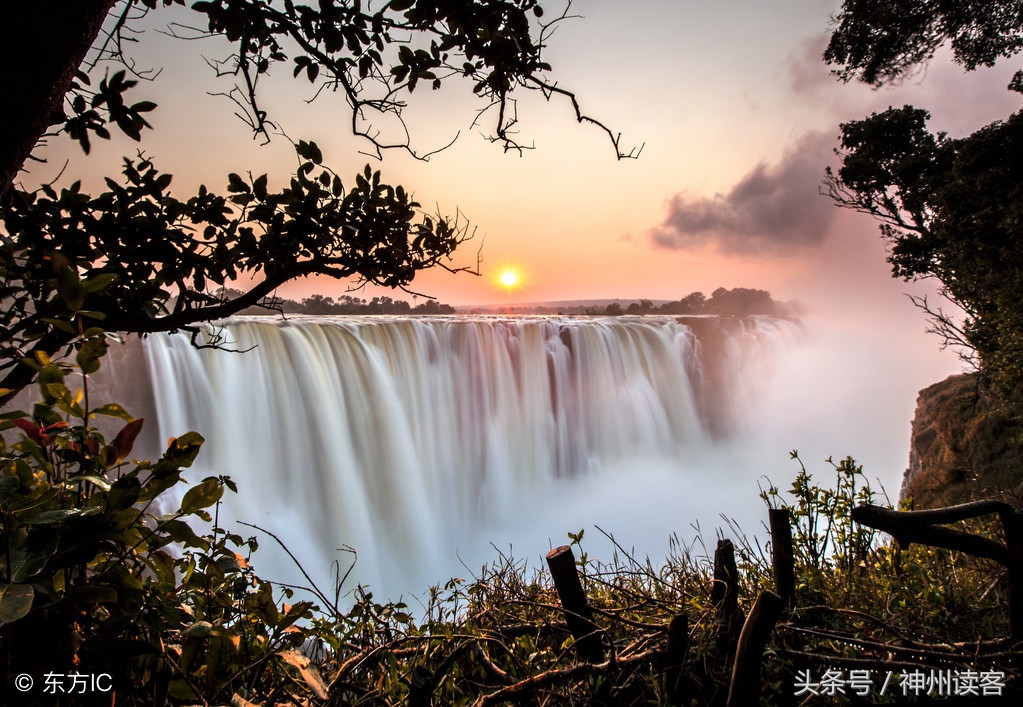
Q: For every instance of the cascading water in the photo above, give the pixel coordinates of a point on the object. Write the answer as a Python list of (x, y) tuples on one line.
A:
[(410, 439)]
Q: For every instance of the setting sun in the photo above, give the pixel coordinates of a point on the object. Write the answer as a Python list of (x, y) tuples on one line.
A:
[(509, 278)]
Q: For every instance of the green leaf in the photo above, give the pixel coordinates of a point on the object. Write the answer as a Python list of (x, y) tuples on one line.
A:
[(92, 314), (202, 496), (15, 602), (113, 410), (89, 353), (182, 450), (98, 282), (123, 493), (27, 561), (98, 481), (59, 324), (181, 532)]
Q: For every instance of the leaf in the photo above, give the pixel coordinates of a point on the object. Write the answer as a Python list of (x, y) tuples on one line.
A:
[(308, 672), (259, 187), (125, 439), (89, 353), (98, 282), (202, 496), (182, 450), (113, 410), (30, 429), (15, 602), (98, 481), (181, 532), (236, 185), (27, 561), (59, 516), (123, 493), (59, 324)]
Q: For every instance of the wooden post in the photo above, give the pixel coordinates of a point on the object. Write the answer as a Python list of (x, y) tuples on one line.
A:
[(578, 616), (1012, 525), (678, 647), (724, 592), (782, 557), (744, 689)]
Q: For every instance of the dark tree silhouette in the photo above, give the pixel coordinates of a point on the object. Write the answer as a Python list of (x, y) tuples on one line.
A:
[(137, 258)]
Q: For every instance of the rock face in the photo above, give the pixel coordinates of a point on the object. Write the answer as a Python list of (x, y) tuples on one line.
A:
[(962, 447)]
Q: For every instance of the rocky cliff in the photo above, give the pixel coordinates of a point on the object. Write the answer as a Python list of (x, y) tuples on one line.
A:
[(962, 447)]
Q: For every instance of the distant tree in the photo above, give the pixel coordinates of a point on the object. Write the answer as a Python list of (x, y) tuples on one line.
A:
[(740, 301), (433, 307), (949, 209), (644, 306), (136, 258), (694, 301)]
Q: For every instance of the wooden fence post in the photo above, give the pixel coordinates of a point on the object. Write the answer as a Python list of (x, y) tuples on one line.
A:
[(724, 592), (678, 646), (782, 557), (745, 686), (578, 616), (1012, 525)]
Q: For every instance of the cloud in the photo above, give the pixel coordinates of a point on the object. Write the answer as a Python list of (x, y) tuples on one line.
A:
[(960, 101), (808, 75), (773, 210)]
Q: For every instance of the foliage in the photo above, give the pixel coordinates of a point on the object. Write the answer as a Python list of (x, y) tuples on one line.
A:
[(826, 538), (949, 210), (139, 259), (348, 304), (99, 578), (373, 58), (877, 41), (740, 302)]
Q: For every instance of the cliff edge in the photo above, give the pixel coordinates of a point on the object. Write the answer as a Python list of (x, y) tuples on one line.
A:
[(962, 447)]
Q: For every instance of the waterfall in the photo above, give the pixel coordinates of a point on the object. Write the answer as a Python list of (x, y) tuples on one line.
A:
[(406, 438)]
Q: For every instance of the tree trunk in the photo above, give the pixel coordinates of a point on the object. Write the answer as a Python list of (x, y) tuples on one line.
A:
[(42, 44)]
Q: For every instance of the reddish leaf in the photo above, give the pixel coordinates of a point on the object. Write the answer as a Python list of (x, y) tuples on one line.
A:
[(30, 428), (125, 439)]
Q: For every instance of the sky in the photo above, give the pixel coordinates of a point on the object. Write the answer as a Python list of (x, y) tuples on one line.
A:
[(737, 117), (736, 114)]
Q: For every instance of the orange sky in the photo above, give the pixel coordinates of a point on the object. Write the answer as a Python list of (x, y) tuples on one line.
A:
[(714, 92), (737, 115)]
